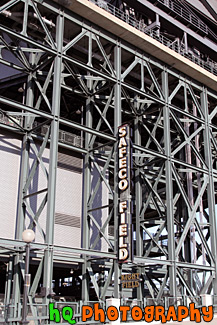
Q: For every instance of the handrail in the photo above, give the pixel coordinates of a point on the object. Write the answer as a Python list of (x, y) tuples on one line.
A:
[(185, 14), (208, 65)]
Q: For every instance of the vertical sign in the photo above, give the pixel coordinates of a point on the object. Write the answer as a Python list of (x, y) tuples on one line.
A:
[(125, 222)]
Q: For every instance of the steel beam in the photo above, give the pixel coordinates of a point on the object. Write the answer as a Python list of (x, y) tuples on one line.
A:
[(210, 187), (169, 187), (49, 238), (138, 202), (87, 194)]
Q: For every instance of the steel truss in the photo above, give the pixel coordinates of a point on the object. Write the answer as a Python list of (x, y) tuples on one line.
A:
[(173, 120)]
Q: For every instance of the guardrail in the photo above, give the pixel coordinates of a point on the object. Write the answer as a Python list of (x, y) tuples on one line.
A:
[(182, 12), (208, 65)]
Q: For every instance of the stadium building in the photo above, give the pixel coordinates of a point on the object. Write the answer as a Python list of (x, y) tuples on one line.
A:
[(108, 152)]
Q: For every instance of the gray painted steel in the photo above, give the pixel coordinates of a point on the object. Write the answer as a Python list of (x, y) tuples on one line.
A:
[(66, 87)]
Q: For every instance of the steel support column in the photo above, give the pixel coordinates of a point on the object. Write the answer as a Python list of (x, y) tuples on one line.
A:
[(48, 257), (138, 202), (86, 196), (21, 211), (169, 187), (210, 187), (8, 287)]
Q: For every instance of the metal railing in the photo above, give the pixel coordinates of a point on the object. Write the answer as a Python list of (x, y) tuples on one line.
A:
[(185, 14), (208, 65)]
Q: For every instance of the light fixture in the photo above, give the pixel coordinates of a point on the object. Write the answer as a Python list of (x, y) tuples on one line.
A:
[(28, 236)]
